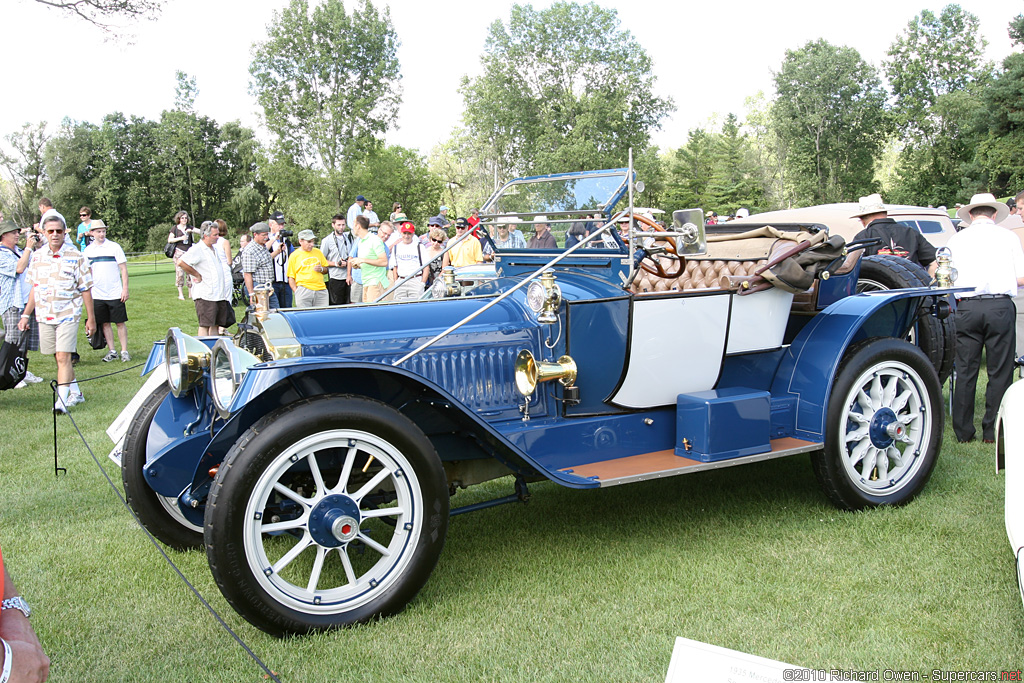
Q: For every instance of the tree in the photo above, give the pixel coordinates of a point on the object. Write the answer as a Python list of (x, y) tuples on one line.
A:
[(999, 161), (936, 77), (328, 83), (689, 171), (101, 13), (734, 180), (72, 159), (25, 173), (830, 111), (562, 89)]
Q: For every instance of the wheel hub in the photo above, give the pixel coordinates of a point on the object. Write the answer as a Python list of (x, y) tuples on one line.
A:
[(334, 521), (885, 428)]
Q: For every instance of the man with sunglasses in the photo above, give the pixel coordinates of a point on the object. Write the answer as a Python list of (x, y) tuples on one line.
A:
[(468, 251), (61, 280)]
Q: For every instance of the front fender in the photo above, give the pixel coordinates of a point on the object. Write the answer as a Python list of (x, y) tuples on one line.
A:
[(268, 387), (809, 366)]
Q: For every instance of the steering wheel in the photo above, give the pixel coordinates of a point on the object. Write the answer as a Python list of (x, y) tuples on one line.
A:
[(655, 267)]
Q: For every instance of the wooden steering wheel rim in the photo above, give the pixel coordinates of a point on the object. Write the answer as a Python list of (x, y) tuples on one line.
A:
[(670, 246)]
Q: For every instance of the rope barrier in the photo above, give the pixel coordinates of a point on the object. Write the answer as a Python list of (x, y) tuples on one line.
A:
[(53, 385)]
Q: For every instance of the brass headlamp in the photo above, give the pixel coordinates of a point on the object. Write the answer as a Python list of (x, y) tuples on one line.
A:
[(544, 297)]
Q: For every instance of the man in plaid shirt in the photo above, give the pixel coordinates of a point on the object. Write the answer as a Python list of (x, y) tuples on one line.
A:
[(258, 265)]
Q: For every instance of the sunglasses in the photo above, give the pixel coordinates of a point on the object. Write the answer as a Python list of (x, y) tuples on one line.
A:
[(83, 215), (55, 232), (434, 239)]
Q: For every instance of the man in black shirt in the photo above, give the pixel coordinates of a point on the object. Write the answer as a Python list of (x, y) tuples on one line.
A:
[(897, 239)]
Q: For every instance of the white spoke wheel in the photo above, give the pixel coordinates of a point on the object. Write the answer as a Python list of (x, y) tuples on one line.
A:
[(326, 513), (884, 428), (159, 514)]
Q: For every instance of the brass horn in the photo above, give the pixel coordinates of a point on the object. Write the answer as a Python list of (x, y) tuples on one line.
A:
[(530, 373)]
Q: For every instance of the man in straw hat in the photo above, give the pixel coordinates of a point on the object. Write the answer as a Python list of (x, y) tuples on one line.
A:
[(989, 259), (897, 239)]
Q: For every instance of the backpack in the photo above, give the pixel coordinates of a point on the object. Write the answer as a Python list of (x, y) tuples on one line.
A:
[(13, 362)]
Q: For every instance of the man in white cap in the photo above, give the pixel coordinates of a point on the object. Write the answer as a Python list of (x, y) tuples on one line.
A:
[(897, 239), (989, 259)]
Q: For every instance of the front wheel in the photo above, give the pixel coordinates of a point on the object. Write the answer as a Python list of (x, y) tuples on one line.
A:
[(884, 428), (326, 513)]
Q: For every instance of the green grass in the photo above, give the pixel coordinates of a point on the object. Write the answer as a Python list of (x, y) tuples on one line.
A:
[(574, 586)]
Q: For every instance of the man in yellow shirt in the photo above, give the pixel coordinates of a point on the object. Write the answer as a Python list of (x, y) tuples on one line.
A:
[(306, 268), (468, 251)]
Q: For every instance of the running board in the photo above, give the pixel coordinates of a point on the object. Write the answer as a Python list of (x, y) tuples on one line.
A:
[(667, 464)]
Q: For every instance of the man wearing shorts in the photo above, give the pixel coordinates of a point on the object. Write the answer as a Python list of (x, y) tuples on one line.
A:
[(60, 278), (109, 288), (210, 282)]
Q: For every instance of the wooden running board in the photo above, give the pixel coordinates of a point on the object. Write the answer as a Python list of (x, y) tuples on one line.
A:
[(667, 464)]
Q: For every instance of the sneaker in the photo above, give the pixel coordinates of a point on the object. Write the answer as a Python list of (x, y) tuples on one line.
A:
[(125, 357), (75, 358), (59, 407), (75, 399), (20, 385), (32, 379), (111, 355)]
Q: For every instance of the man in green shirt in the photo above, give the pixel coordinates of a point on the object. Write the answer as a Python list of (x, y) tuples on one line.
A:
[(372, 260)]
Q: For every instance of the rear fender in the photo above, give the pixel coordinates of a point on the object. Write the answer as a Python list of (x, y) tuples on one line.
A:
[(441, 416), (809, 366)]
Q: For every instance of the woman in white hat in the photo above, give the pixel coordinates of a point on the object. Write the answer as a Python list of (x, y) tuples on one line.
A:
[(989, 259)]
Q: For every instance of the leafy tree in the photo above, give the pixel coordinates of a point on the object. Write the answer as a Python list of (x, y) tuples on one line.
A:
[(72, 164), (830, 111), (562, 89), (999, 161), (328, 83), (935, 76), (734, 181), (25, 172), (689, 172)]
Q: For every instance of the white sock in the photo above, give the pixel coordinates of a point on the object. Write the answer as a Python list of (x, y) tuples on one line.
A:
[(74, 387), (63, 394)]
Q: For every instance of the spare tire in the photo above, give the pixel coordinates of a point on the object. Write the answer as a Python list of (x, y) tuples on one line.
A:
[(937, 338)]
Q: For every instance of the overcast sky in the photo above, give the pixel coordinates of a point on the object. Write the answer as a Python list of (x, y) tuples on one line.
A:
[(708, 56)]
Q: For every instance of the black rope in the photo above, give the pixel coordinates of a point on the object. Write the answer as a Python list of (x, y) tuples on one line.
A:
[(152, 539)]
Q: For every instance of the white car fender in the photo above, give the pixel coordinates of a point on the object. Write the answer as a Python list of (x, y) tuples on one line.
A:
[(1010, 443), (119, 427)]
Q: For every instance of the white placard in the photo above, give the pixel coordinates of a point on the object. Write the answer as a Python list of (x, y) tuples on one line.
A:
[(696, 662)]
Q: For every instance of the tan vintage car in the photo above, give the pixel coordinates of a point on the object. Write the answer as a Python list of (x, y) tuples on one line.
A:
[(934, 224)]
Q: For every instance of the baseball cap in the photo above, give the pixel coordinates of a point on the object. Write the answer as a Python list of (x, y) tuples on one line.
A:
[(408, 227), (306, 235), (360, 198), (461, 223), (443, 208), (277, 216)]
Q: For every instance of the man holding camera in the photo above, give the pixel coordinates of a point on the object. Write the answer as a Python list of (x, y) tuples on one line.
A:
[(13, 290), (280, 249)]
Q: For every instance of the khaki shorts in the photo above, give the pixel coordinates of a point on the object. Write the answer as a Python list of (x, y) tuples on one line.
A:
[(60, 338), (371, 292)]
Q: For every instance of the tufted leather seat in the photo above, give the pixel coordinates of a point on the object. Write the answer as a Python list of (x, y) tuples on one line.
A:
[(699, 273)]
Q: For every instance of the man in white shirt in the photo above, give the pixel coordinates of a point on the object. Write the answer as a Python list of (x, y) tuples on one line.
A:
[(371, 215), (990, 259), (109, 288), (211, 282), (406, 258), (355, 210)]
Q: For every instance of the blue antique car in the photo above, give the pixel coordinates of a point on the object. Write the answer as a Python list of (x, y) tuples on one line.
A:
[(316, 454)]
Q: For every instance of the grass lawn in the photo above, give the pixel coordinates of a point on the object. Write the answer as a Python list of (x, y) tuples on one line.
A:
[(575, 586)]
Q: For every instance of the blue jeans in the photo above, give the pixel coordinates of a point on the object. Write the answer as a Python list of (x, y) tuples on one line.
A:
[(283, 294)]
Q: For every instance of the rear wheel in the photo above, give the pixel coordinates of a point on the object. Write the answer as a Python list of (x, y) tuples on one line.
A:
[(937, 338), (327, 512), (884, 428), (159, 514)]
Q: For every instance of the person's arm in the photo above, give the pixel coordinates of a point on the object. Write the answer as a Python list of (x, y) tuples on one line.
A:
[(291, 283), (189, 270), (26, 315), (381, 260), (227, 249), (249, 287), (28, 661), (30, 244), (123, 267), (90, 323)]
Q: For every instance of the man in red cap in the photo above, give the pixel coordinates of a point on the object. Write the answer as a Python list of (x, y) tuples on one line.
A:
[(406, 258)]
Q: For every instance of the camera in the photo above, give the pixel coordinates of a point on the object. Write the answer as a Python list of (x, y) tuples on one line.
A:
[(286, 233)]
